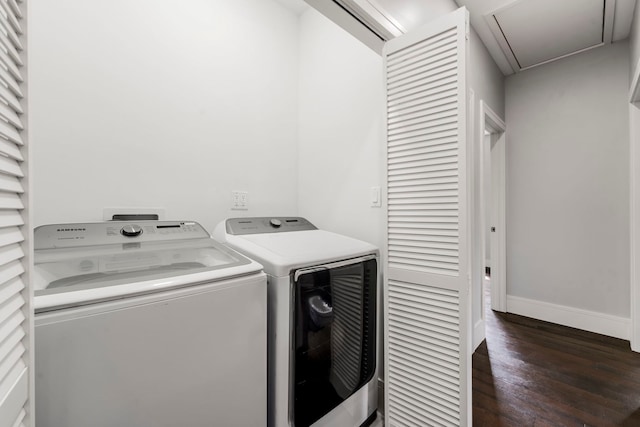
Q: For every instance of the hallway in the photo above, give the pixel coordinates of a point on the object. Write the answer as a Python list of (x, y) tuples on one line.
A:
[(533, 373)]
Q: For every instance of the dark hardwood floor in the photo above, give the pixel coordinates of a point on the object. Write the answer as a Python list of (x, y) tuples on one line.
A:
[(533, 373)]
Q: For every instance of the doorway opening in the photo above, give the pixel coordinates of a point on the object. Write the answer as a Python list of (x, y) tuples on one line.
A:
[(492, 219)]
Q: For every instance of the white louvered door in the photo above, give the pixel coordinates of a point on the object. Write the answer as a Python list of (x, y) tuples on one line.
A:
[(427, 310), (15, 320)]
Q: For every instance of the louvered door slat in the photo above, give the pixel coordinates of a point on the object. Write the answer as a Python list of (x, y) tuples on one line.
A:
[(12, 83), (415, 107), (10, 32), (447, 128), (421, 147), (10, 201), (15, 325), (6, 44), (10, 167), (10, 132), (9, 218), (415, 114), (427, 215), (436, 87), (11, 17), (10, 149), (15, 8), (405, 325), (20, 419), (10, 98), (10, 184), (432, 93), (432, 63), (8, 114), (11, 65), (417, 241), (435, 77), (419, 45), (415, 120), (10, 288), (426, 55), (9, 236)]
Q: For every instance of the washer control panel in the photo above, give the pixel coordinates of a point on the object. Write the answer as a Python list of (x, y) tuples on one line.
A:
[(113, 232), (131, 230), (259, 225)]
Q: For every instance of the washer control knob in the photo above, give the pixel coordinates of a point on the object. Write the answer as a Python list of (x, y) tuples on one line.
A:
[(275, 223), (131, 230)]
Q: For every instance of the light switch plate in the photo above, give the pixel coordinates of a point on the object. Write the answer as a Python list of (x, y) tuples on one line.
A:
[(375, 197)]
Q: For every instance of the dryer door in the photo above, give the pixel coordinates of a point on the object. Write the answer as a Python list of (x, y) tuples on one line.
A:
[(334, 335)]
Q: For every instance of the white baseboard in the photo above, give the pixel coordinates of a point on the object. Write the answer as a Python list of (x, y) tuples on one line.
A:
[(592, 321), (478, 334)]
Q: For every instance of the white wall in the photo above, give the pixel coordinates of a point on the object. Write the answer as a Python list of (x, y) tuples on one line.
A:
[(568, 184), (342, 128), (158, 104), (341, 134), (487, 82), (485, 78), (634, 40), (634, 155)]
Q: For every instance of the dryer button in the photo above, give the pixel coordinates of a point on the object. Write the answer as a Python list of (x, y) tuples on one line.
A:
[(275, 223)]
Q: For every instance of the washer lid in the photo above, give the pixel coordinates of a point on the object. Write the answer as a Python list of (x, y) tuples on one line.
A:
[(71, 273)]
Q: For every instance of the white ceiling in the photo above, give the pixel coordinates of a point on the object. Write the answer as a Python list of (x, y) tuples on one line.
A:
[(521, 34), (518, 34), (297, 6), (534, 38)]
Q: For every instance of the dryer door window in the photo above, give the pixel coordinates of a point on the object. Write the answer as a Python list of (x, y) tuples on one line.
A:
[(334, 337)]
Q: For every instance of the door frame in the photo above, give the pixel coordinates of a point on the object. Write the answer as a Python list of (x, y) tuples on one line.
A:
[(491, 121), (634, 204)]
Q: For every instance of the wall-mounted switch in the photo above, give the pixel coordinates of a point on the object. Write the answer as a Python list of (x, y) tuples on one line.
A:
[(375, 197), (240, 200)]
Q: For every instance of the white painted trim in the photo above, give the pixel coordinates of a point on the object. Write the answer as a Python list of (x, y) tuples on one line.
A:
[(634, 217), (634, 92), (348, 23), (494, 121), (499, 245), (592, 321), (479, 334), (563, 56), (374, 16), (489, 119), (634, 204), (607, 27)]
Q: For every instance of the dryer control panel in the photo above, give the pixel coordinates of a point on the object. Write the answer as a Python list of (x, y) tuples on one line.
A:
[(259, 225)]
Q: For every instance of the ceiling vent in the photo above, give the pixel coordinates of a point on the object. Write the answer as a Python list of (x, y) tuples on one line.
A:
[(371, 14), (364, 19), (535, 32)]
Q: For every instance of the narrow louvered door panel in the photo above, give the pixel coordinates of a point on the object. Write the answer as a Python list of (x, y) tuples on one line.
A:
[(14, 336), (426, 371)]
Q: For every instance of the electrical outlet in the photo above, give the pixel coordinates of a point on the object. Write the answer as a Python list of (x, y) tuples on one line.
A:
[(240, 200)]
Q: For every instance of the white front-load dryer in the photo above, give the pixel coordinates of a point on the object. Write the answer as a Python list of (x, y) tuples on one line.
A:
[(322, 305)]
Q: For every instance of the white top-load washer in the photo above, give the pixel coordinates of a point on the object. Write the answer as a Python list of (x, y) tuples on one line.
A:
[(322, 319), (147, 324)]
